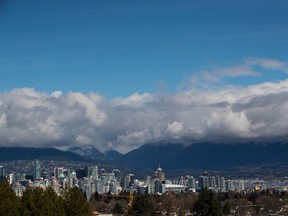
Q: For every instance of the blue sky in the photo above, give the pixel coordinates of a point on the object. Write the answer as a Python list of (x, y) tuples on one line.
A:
[(118, 74), (117, 48)]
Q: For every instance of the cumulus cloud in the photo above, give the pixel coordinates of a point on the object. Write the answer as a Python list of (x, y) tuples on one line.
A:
[(56, 94), (32, 118), (229, 114), (175, 127)]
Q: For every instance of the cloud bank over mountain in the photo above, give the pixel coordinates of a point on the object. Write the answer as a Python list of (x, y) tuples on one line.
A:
[(32, 118), (199, 113)]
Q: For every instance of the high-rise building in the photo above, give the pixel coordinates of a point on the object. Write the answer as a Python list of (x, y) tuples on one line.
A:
[(160, 174), (190, 182), (88, 190), (222, 184), (94, 173), (106, 177), (212, 182), (112, 187), (157, 186), (241, 185), (58, 171), (128, 180), (229, 185), (203, 182), (117, 174), (218, 182), (98, 186), (87, 171), (2, 172), (37, 172), (150, 187), (11, 178)]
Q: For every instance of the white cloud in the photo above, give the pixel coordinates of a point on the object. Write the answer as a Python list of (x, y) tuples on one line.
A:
[(236, 71), (250, 67), (32, 118), (89, 106), (3, 120), (175, 127), (56, 94), (208, 78), (136, 100), (82, 139), (271, 64)]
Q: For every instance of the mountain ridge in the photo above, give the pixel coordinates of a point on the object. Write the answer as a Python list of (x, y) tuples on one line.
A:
[(32, 153), (205, 155), (169, 156)]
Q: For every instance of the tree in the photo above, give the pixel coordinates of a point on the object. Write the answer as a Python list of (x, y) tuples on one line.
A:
[(53, 203), (118, 209), (207, 204), (253, 196), (226, 208), (33, 202), (97, 196), (168, 203), (142, 206), (75, 203), (41, 202), (28, 205), (9, 203)]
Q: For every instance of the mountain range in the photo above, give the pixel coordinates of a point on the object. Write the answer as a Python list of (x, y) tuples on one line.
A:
[(206, 155), (169, 156), (30, 153)]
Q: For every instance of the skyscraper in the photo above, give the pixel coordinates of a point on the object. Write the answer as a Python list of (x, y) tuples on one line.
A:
[(94, 172), (212, 182), (2, 172), (203, 181), (222, 184), (87, 171), (229, 185), (117, 174), (58, 171), (190, 182), (37, 172), (128, 180), (160, 174)]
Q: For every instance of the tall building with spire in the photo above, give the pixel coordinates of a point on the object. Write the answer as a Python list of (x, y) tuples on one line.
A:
[(160, 174)]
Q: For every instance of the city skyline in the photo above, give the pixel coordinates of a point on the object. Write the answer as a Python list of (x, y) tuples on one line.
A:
[(119, 75)]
